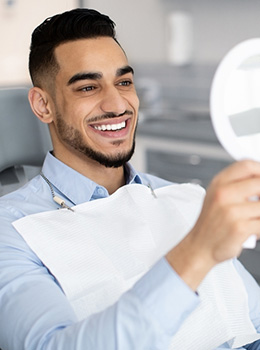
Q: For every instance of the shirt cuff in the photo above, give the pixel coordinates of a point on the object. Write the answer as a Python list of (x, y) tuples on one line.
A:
[(168, 298)]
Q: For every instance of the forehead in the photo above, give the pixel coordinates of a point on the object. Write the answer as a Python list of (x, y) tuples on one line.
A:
[(99, 54)]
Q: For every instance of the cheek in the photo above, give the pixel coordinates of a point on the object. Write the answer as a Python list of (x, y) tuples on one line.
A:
[(71, 114), (136, 101), (65, 105)]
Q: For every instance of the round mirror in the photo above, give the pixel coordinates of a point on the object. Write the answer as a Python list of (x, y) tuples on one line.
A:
[(235, 101), (235, 104)]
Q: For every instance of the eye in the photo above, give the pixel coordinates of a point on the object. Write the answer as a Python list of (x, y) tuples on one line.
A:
[(126, 83), (87, 88)]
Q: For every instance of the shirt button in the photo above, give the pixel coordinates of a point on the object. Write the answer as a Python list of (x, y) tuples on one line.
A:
[(100, 191)]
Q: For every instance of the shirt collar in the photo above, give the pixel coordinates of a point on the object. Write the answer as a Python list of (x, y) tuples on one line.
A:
[(131, 175), (74, 186)]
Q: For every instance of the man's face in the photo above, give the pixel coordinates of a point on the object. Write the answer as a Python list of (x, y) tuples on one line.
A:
[(95, 105)]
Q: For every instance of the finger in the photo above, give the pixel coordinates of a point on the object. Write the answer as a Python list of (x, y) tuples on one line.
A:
[(246, 229), (241, 212), (250, 210), (239, 171), (240, 191), (233, 243)]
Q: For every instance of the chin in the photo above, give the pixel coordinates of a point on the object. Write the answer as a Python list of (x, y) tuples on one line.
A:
[(112, 161)]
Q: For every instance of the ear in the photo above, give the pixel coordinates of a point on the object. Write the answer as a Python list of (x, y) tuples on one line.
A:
[(40, 105)]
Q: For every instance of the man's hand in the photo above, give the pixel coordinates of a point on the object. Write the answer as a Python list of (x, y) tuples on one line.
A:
[(228, 217)]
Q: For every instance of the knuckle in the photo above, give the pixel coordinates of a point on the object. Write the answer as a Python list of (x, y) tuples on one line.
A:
[(247, 164), (215, 180), (220, 195)]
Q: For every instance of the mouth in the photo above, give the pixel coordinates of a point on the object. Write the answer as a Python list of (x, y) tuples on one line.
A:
[(109, 127), (113, 128)]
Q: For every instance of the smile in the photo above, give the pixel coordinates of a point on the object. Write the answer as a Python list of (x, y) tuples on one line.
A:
[(110, 127)]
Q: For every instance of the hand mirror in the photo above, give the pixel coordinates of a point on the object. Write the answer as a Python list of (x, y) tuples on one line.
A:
[(235, 104)]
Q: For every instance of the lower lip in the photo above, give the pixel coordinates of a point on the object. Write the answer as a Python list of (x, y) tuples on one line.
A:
[(116, 133)]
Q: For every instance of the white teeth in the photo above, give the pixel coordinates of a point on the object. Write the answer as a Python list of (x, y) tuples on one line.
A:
[(110, 127)]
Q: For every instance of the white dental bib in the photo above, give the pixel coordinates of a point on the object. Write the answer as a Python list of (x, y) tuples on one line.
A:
[(102, 248)]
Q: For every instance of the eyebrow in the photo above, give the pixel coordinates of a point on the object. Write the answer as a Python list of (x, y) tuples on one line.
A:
[(97, 75), (124, 70)]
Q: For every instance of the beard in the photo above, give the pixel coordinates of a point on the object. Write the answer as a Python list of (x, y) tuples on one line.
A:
[(74, 139)]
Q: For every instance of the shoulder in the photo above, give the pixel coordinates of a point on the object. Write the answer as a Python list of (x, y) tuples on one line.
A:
[(32, 198), (29, 199)]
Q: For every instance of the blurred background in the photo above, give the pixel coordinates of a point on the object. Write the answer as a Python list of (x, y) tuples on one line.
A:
[(174, 47)]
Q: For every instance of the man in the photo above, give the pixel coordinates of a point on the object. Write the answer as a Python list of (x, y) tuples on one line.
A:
[(84, 90)]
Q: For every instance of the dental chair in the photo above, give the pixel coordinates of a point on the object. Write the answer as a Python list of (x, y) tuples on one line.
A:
[(24, 140)]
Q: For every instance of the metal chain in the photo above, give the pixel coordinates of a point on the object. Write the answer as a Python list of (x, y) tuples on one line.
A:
[(48, 182), (56, 199)]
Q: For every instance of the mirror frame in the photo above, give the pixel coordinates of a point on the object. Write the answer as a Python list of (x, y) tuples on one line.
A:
[(221, 123)]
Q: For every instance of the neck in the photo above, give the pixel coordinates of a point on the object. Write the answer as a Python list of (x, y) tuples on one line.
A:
[(110, 178)]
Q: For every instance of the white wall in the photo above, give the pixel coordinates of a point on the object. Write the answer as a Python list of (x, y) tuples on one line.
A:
[(217, 25), (16, 25), (140, 26)]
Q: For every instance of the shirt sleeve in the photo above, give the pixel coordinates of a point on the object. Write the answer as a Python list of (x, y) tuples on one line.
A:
[(253, 292), (35, 313)]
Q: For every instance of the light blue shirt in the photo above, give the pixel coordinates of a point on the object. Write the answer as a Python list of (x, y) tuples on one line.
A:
[(35, 313)]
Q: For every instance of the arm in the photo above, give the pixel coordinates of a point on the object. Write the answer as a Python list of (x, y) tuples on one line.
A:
[(228, 217)]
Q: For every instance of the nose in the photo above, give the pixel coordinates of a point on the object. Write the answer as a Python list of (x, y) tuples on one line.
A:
[(113, 102)]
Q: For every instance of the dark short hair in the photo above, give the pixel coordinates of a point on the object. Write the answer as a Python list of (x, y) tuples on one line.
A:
[(80, 23)]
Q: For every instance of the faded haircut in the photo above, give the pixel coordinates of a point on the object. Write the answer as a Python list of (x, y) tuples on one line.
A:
[(71, 25)]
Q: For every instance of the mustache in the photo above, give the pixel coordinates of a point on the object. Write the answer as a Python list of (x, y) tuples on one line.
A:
[(108, 115)]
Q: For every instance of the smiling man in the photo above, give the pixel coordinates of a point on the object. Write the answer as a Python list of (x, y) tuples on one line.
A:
[(138, 262), (93, 116)]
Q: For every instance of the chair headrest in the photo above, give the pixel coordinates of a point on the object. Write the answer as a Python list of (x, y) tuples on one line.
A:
[(24, 140)]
